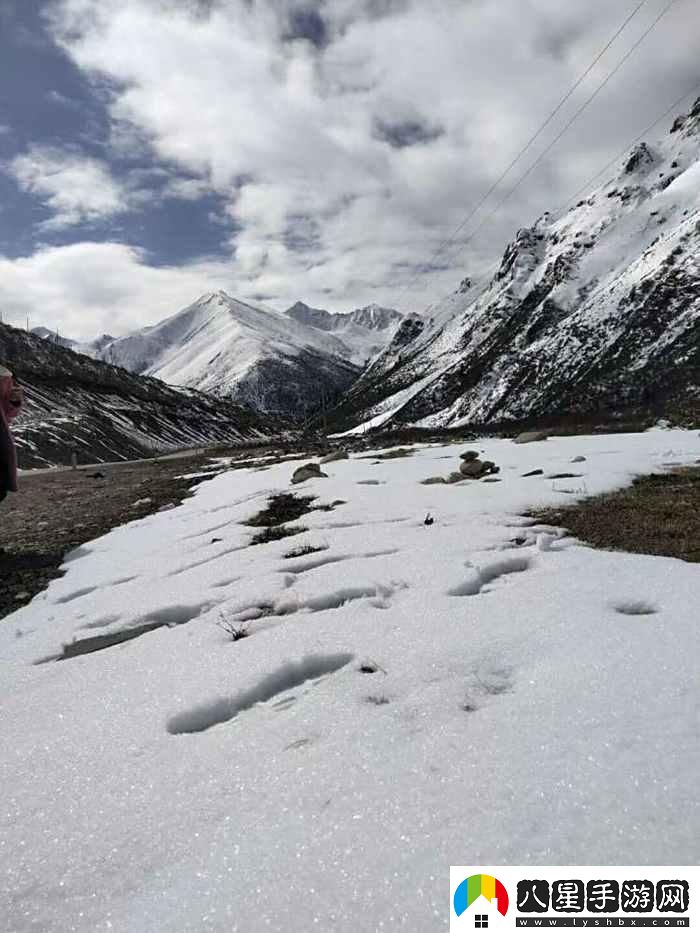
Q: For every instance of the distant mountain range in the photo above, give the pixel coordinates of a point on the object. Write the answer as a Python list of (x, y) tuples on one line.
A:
[(89, 348), (364, 332), (595, 309), (105, 413), (292, 363)]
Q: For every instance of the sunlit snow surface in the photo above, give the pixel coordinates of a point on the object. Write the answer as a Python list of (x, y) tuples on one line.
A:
[(532, 703)]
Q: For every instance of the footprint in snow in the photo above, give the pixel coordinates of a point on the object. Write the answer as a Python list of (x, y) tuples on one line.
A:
[(285, 678), (482, 576), (635, 607)]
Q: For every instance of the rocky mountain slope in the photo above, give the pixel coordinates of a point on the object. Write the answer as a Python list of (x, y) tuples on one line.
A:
[(364, 332), (594, 309), (245, 352), (106, 413)]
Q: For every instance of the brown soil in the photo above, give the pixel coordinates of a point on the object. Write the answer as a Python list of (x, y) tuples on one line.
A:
[(58, 510), (658, 514)]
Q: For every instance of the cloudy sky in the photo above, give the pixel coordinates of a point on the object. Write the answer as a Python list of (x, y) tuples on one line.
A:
[(153, 150)]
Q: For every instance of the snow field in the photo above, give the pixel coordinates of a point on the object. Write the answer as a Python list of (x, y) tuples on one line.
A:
[(531, 702)]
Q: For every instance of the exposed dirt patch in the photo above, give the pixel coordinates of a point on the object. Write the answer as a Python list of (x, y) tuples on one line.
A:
[(658, 514), (396, 454), (303, 551), (276, 533), (58, 510), (282, 508)]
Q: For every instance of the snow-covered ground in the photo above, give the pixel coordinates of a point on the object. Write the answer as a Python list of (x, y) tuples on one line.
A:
[(522, 710)]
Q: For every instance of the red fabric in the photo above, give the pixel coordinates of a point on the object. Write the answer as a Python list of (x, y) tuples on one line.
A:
[(10, 404)]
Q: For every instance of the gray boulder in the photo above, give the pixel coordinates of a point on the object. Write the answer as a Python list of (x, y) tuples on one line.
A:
[(469, 455), (335, 455), (307, 471), (472, 468), (527, 437)]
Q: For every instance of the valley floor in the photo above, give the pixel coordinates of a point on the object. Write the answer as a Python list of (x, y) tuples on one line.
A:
[(58, 509), (481, 690)]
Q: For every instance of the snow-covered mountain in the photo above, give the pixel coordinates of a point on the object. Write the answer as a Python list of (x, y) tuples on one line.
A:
[(88, 347), (364, 332), (594, 309), (242, 351), (106, 413)]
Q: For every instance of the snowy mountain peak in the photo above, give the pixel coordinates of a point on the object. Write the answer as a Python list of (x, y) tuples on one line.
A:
[(311, 317), (372, 317), (219, 298), (239, 350), (87, 348), (364, 332), (375, 317)]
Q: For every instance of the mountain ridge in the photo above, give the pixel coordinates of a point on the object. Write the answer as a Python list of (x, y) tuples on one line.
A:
[(103, 412), (291, 362), (594, 308)]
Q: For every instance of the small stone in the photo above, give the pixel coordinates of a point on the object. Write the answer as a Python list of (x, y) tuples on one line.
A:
[(469, 455), (578, 459), (22, 595), (527, 437)]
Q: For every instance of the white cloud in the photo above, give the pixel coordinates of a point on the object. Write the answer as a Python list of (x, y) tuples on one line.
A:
[(308, 141), (75, 188), (186, 189), (90, 288)]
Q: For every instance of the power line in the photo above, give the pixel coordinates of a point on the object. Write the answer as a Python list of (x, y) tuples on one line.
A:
[(527, 145), (447, 242), (674, 106), (588, 184), (566, 127)]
